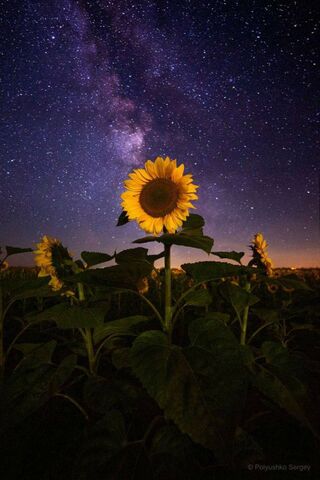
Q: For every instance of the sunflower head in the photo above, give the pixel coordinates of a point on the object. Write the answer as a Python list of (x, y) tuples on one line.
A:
[(159, 195), (260, 255), (53, 259), (143, 285), (259, 242), (273, 288), (4, 266)]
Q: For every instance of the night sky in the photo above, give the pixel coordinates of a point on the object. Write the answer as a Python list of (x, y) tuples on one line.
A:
[(92, 89)]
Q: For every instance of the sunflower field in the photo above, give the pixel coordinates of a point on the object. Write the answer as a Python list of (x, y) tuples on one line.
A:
[(118, 366)]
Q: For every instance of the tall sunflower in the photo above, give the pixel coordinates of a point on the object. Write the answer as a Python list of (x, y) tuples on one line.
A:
[(260, 255), (159, 195), (51, 257)]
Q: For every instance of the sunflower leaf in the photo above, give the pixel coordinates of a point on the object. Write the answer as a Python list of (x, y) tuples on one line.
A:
[(124, 275), (282, 381), (73, 316), (289, 281), (132, 255), (94, 258), (201, 387), (237, 296), (205, 271), (123, 219), (193, 221), (201, 242), (198, 298), (147, 239), (15, 250), (236, 256), (121, 326)]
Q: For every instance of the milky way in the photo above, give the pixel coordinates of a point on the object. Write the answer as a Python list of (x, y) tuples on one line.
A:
[(92, 89)]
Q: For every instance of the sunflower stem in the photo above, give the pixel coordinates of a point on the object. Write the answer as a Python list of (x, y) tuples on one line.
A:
[(244, 322), (87, 335), (81, 292), (167, 295), (88, 342)]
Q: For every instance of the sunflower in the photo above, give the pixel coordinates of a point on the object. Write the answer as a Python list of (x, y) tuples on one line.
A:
[(273, 288), (259, 242), (4, 266), (50, 257), (143, 285), (159, 196), (260, 254)]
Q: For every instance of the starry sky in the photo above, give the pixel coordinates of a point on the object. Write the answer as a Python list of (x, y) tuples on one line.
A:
[(92, 89)]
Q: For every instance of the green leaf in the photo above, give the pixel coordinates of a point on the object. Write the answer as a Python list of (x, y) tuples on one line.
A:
[(121, 326), (115, 342), (172, 454), (102, 442), (27, 388), (101, 394), (193, 221), (107, 454), (201, 387), (41, 292), (266, 314), (62, 373), (134, 255), (123, 219), (125, 275), (236, 256), (121, 358), (220, 316), (201, 242), (280, 358), (73, 316), (95, 258), (198, 298), (237, 296), (247, 355), (24, 287), (281, 381), (147, 239), (138, 254), (169, 440), (288, 281), (24, 392), (289, 397), (292, 281), (16, 250), (205, 271), (38, 352), (193, 225)]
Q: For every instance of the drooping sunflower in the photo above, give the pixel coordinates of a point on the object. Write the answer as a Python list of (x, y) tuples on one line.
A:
[(51, 257), (159, 195), (260, 255)]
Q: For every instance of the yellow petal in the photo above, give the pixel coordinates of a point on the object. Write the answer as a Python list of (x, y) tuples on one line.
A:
[(177, 173), (151, 169), (159, 164), (158, 225)]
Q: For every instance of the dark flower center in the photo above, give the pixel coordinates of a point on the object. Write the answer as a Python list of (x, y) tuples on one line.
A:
[(159, 197)]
